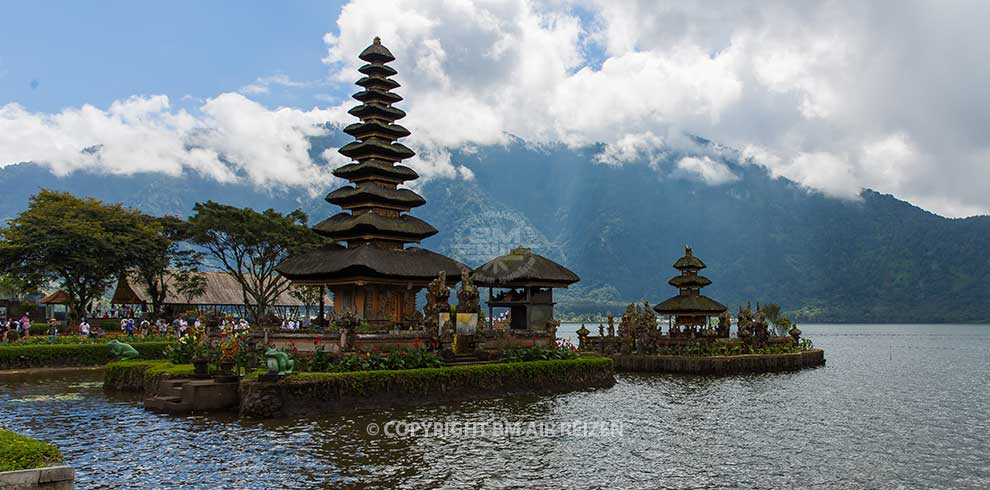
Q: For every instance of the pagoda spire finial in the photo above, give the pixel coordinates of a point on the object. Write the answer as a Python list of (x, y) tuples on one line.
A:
[(377, 40), (687, 250)]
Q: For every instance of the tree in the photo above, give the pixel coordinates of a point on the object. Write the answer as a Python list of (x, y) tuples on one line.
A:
[(248, 245), (773, 315), (309, 296), (80, 244), (165, 264), (15, 288)]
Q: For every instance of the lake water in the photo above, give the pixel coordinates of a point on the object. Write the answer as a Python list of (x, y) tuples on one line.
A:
[(898, 406)]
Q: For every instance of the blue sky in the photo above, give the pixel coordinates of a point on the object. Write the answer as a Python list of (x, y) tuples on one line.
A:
[(98, 52)]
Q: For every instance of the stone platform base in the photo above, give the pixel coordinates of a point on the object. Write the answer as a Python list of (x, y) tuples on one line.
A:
[(193, 395), (50, 478), (749, 363)]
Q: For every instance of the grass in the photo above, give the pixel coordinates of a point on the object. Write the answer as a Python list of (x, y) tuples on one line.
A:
[(19, 452)]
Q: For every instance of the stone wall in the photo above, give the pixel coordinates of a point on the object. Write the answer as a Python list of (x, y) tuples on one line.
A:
[(748, 363), (315, 393), (50, 478)]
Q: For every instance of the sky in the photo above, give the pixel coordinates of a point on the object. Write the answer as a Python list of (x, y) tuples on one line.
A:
[(837, 96)]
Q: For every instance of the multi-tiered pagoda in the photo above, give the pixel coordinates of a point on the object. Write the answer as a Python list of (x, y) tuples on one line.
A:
[(690, 308), (375, 275)]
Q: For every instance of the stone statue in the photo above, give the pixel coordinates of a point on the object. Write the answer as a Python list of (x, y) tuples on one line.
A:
[(551, 328), (123, 351), (278, 362), (437, 302), (627, 330), (582, 334), (611, 325), (601, 330), (347, 324), (468, 297), (759, 328), (723, 324), (795, 333)]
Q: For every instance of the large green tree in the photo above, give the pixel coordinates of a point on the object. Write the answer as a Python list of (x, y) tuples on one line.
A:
[(79, 244), (248, 244), (166, 265)]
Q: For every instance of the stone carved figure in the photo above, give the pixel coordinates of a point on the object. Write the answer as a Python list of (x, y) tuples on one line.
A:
[(278, 362), (347, 325), (744, 324), (601, 330), (552, 326), (795, 333), (468, 298), (760, 329), (723, 324), (611, 325), (123, 351), (627, 329), (437, 302)]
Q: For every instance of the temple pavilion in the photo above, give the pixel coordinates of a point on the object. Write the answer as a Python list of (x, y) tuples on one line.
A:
[(689, 308), (370, 270), (525, 281)]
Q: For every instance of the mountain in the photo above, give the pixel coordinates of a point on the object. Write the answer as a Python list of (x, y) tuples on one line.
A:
[(620, 227)]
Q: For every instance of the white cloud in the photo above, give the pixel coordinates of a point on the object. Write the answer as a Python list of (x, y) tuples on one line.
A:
[(817, 93), (262, 85), (710, 171), (819, 87), (230, 138)]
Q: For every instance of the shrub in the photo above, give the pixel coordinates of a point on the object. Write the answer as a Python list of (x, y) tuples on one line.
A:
[(65, 355), (19, 452), (562, 350), (389, 359), (78, 339), (141, 375)]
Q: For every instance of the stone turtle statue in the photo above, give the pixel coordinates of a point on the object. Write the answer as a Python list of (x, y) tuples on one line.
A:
[(123, 351), (278, 362)]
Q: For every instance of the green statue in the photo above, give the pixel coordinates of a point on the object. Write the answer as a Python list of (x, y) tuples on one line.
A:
[(123, 351), (279, 362)]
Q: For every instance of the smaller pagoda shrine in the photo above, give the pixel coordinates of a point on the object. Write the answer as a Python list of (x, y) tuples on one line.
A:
[(525, 281), (689, 309)]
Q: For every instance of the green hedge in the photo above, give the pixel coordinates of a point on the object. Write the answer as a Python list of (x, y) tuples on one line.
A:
[(523, 373), (313, 393), (141, 375), (19, 452), (70, 355)]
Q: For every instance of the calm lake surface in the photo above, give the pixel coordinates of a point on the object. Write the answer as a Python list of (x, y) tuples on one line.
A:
[(898, 406)]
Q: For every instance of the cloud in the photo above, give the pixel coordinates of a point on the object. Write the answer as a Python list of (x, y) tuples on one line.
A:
[(230, 138), (709, 171), (821, 90), (262, 85), (818, 93)]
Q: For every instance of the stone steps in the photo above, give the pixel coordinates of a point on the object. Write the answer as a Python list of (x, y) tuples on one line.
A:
[(188, 395)]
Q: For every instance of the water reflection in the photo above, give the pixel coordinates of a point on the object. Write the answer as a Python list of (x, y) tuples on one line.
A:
[(896, 406)]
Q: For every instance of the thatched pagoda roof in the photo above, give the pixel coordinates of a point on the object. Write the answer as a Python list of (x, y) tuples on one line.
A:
[(523, 268), (348, 196), (345, 226), (689, 261), (695, 282), (690, 305), (376, 53), (411, 264)]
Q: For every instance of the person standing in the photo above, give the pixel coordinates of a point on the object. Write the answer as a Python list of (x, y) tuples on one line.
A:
[(52, 330), (25, 325), (84, 329)]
